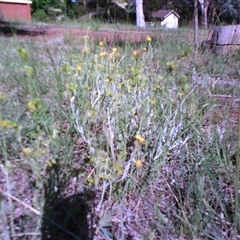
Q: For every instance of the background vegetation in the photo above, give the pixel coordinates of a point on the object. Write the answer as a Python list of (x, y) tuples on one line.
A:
[(219, 11)]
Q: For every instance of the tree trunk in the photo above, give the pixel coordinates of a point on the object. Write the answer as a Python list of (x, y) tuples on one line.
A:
[(196, 40), (204, 8), (139, 12)]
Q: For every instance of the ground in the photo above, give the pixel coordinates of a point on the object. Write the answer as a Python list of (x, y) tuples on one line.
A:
[(47, 32)]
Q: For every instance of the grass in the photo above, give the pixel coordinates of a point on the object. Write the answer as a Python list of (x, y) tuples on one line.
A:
[(121, 140)]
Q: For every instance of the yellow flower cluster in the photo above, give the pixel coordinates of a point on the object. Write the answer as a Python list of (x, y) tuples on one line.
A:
[(27, 151), (139, 52), (114, 54), (103, 54)]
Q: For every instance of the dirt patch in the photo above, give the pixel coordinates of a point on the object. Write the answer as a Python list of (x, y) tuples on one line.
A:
[(46, 32)]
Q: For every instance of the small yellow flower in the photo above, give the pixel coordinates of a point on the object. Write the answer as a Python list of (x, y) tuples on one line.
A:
[(79, 67), (8, 124), (41, 151), (118, 168), (180, 94), (152, 101), (114, 50), (139, 138), (50, 163), (71, 86), (109, 93), (28, 71), (86, 50), (34, 105), (27, 151), (135, 53), (2, 96), (138, 163), (23, 53), (103, 54), (101, 44), (171, 65), (86, 38), (67, 68), (4, 123), (31, 107), (148, 39), (90, 180)]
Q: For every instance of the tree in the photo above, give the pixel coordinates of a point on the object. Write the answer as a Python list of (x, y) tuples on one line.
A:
[(204, 8), (139, 12), (229, 10), (184, 8), (63, 5), (150, 6), (224, 11), (139, 9)]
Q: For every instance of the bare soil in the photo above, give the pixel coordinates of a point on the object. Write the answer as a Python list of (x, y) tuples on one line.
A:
[(46, 32)]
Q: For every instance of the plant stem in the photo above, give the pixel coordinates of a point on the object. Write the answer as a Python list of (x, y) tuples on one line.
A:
[(237, 176)]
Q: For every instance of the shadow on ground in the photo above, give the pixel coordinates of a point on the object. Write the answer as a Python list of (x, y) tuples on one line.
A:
[(68, 218), (10, 29)]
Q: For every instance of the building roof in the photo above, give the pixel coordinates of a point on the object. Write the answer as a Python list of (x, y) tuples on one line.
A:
[(17, 1), (164, 14)]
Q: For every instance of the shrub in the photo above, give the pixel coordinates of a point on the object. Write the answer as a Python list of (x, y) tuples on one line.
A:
[(40, 15)]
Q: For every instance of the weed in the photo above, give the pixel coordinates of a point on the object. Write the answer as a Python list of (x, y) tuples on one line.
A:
[(120, 139)]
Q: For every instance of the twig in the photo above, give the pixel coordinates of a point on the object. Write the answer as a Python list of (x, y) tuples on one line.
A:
[(26, 234), (224, 96), (21, 202), (8, 184), (184, 100), (90, 174)]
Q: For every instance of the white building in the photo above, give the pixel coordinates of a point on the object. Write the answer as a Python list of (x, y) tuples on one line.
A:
[(168, 18)]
